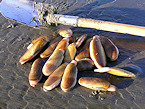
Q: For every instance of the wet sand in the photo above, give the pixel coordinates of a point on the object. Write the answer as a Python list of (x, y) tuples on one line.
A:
[(15, 91)]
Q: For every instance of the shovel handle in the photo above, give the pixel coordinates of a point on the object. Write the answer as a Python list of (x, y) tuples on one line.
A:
[(111, 26), (96, 24)]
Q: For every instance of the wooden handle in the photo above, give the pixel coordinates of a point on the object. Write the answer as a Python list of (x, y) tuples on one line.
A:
[(111, 26)]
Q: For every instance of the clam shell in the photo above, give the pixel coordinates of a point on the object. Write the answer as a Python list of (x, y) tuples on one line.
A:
[(72, 39), (55, 78), (51, 48), (35, 74), (81, 40), (46, 37), (62, 44), (85, 64), (65, 33), (53, 62), (69, 77), (84, 52), (111, 50), (29, 46), (97, 53), (116, 71), (33, 51), (56, 58), (70, 53), (94, 83)]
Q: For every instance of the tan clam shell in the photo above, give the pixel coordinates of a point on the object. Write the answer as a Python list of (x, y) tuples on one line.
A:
[(116, 71), (72, 39), (35, 74), (111, 50), (70, 53), (33, 51), (97, 53), (65, 33), (55, 78), (62, 44), (94, 83), (69, 77), (84, 52), (56, 58), (53, 62), (85, 64), (81, 40), (71, 49), (46, 37), (51, 48)]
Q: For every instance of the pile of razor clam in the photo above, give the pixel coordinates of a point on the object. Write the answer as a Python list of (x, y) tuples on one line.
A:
[(61, 60)]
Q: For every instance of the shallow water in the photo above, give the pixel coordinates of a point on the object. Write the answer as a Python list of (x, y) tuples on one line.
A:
[(15, 91)]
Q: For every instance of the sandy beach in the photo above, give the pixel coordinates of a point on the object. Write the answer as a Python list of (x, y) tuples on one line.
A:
[(15, 91)]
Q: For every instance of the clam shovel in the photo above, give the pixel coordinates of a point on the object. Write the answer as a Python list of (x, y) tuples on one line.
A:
[(36, 14)]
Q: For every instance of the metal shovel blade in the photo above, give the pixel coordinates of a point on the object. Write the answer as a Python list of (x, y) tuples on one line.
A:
[(19, 10), (29, 12)]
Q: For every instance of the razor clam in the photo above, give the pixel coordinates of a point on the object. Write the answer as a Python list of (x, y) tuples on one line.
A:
[(96, 84), (71, 49), (85, 64), (55, 78), (115, 71), (69, 77), (50, 48), (35, 74), (65, 33), (84, 52), (97, 53), (110, 48), (33, 50), (53, 62)]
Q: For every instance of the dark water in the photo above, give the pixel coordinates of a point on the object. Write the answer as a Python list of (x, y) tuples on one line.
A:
[(15, 91)]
